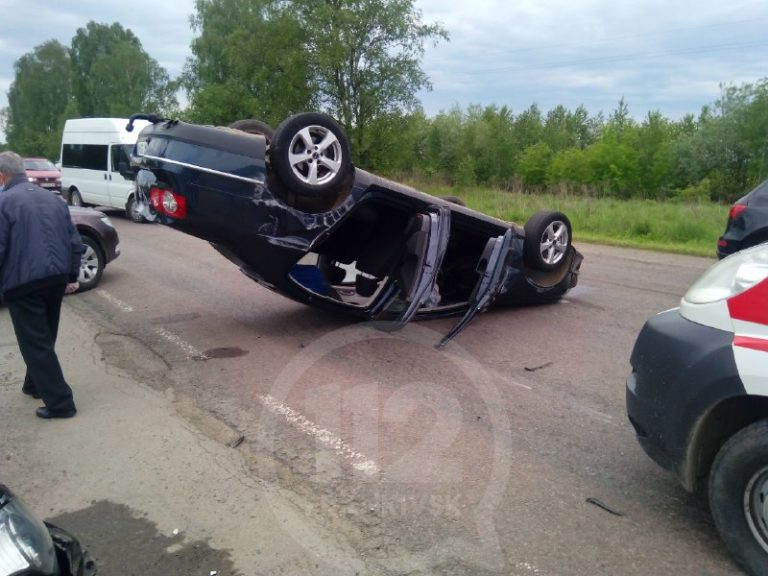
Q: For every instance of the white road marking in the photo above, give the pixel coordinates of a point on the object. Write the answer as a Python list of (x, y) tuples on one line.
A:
[(595, 414), (115, 301), (188, 349), (359, 461)]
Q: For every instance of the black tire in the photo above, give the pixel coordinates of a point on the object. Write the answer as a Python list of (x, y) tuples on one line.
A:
[(92, 264), (74, 198), (738, 491), (453, 200), (132, 212), (255, 127), (547, 240), (310, 155)]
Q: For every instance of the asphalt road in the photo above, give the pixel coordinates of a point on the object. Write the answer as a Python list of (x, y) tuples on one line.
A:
[(507, 453)]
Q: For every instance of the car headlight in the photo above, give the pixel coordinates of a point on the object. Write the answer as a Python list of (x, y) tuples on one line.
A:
[(25, 543), (731, 276), (107, 221)]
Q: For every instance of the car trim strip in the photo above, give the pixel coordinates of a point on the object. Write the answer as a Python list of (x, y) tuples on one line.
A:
[(204, 169), (752, 343)]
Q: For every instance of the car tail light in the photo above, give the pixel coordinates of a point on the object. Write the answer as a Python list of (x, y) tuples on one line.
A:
[(736, 209), (166, 201)]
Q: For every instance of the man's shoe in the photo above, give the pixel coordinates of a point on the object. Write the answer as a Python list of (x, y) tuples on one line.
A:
[(32, 393), (44, 412)]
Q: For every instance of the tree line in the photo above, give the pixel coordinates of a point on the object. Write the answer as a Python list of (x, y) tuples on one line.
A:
[(360, 61), (717, 155)]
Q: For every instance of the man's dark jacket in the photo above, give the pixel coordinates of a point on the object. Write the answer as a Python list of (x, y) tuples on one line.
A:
[(39, 245)]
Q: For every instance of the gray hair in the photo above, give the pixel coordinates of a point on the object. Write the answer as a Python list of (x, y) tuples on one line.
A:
[(11, 164)]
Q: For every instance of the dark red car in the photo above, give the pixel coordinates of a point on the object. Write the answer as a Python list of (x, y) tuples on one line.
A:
[(43, 172)]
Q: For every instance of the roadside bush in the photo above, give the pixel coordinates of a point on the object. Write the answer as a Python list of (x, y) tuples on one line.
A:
[(700, 192), (465, 176)]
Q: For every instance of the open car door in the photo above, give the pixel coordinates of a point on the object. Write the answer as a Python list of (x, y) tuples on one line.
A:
[(493, 269), (426, 242)]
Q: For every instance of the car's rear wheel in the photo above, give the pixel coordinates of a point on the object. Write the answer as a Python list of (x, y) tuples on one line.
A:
[(738, 496), (92, 264), (310, 155), (255, 127), (74, 198), (547, 240)]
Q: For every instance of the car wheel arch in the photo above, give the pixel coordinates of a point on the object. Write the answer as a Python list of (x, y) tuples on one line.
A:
[(712, 430), (86, 231)]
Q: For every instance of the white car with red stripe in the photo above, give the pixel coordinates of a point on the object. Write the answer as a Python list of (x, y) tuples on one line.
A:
[(698, 397)]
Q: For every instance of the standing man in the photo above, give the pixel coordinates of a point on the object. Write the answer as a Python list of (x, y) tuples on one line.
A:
[(39, 262)]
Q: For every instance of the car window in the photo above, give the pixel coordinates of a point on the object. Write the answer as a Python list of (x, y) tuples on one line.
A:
[(121, 153), (88, 156), (38, 164)]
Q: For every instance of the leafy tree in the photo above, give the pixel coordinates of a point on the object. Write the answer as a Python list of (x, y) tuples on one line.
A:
[(37, 98), (445, 142), (655, 160), (735, 139), (465, 172), (365, 57), (500, 150), (557, 129), (113, 75), (130, 81), (249, 61), (534, 163), (528, 127), (400, 142)]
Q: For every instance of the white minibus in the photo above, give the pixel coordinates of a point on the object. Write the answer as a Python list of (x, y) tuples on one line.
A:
[(95, 163)]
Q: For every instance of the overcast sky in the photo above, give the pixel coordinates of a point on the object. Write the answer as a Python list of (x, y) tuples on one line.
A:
[(661, 55)]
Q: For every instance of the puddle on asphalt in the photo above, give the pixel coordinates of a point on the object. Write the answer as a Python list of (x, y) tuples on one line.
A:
[(121, 543)]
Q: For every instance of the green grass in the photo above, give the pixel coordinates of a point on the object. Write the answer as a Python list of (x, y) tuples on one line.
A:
[(680, 227)]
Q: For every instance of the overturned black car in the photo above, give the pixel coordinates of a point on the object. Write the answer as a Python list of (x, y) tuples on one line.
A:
[(291, 210)]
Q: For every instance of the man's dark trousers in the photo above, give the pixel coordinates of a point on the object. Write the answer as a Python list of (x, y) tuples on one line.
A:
[(35, 319)]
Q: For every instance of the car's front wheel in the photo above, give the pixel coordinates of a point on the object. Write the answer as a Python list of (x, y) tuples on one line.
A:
[(738, 496), (547, 240), (91, 264), (133, 212), (310, 155)]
